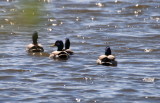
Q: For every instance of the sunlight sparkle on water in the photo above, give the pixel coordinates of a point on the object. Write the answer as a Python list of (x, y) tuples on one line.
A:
[(99, 4), (2, 26), (48, 1), (49, 29), (119, 11), (137, 5), (51, 20), (54, 24), (116, 1)]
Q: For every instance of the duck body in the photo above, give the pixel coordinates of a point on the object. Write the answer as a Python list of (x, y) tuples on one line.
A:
[(67, 47), (35, 46), (107, 59), (59, 54), (69, 51)]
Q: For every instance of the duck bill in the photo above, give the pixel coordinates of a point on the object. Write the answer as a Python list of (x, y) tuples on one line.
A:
[(53, 45)]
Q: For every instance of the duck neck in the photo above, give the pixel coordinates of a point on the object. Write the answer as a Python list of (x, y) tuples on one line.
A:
[(108, 51), (35, 41), (59, 48), (35, 38)]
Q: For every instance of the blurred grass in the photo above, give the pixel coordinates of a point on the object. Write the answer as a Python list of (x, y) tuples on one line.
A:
[(29, 12)]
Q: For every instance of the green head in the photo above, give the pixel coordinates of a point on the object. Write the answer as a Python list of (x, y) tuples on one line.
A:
[(59, 44)]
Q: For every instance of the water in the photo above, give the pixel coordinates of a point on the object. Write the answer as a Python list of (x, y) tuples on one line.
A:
[(130, 28)]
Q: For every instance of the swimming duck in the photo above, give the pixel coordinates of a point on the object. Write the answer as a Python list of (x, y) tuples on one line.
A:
[(108, 59), (35, 46), (59, 54), (67, 46)]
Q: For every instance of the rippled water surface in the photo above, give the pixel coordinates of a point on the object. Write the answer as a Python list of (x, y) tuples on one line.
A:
[(130, 27)]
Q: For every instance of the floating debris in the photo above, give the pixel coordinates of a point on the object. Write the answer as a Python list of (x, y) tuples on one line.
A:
[(148, 79), (148, 50), (78, 100)]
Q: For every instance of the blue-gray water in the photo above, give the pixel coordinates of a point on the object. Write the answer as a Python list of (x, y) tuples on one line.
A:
[(130, 27)]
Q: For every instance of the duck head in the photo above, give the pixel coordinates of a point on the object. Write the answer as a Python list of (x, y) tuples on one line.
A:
[(108, 51), (35, 38), (59, 44), (67, 43)]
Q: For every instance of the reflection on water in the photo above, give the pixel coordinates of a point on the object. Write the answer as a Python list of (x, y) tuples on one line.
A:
[(130, 28)]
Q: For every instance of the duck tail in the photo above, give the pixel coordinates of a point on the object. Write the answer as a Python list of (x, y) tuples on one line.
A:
[(107, 63), (63, 55)]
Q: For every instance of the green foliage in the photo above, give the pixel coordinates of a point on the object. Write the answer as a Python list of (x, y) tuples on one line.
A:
[(30, 11)]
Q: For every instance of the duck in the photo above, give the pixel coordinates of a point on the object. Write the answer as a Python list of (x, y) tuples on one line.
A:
[(107, 59), (67, 47), (35, 46), (59, 54)]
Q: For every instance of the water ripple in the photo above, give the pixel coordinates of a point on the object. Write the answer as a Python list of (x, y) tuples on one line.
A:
[(130, 28)]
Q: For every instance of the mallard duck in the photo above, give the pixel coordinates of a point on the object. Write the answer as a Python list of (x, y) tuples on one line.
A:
[(67, 46), (35, 46), (59, 54), (108, 59)]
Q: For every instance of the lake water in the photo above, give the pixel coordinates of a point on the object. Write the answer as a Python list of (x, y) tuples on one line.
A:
[(130, 27)]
